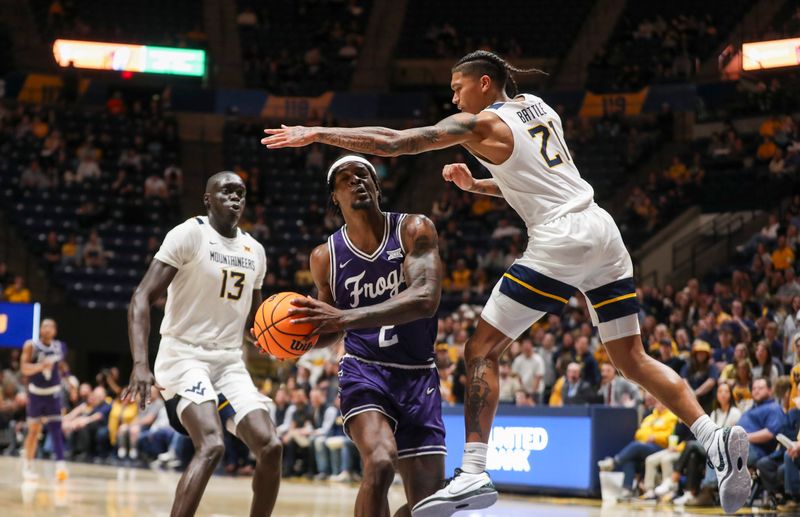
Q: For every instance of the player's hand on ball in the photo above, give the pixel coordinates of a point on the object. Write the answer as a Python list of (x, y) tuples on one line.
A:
[(459, 174), (142, 380), (286, 136), (325, 318)]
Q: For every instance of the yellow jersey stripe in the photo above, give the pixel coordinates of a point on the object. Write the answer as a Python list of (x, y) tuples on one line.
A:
[(537, 291), (612, 300), (222, 406)]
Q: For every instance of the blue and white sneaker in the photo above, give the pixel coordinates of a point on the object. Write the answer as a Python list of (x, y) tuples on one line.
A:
[(728, 457), (461, 492)]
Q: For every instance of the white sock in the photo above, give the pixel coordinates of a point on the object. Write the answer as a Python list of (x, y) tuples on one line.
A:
[(474, 461), (703, 429), (61, 465)]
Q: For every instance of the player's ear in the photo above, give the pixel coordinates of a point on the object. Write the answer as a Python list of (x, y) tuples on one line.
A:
[(207, 200), (486, 83)]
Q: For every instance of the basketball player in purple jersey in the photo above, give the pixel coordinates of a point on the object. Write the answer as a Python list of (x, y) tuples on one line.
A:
[(43, 362), (573, 245), (379, 279)]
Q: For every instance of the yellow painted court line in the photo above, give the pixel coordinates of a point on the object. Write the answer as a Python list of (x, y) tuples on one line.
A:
[(537, 291), (612, 300)]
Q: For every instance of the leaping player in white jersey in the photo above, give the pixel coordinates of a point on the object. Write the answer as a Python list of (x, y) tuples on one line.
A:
[(573, 245), (212, 272)]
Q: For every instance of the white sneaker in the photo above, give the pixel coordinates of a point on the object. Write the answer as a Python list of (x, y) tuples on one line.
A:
[(649, 494), (461, 492), (29, 475), (133, 454), (664, 488), (728, 457), (606, 465), (122, 452), (683, 499)]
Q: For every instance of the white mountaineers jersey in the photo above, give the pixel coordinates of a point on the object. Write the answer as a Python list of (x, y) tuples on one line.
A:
[(209, 299), (539, 180)]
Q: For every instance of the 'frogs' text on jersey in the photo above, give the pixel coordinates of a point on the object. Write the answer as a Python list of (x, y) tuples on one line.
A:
[(55, 353), (359, 280), (209, 299), (539, 180)]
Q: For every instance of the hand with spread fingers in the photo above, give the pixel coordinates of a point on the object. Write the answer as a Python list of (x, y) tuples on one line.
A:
[(324, 317), (142, 380), (288, 136)]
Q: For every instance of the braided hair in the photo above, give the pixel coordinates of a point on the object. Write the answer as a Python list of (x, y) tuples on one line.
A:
[(483, 62)]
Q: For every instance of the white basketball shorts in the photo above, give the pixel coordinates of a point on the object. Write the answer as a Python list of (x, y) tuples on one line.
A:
[(199, 374), (579, 251)]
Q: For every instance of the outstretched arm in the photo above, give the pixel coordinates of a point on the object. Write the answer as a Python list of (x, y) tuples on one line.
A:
[(155, 282), (422, 268), (454, 130)]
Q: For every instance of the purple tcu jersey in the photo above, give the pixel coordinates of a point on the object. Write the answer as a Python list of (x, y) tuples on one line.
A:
[(359, 280), (56, 352)]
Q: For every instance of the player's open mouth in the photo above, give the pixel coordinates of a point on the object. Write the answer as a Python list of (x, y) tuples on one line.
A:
[(235, 207)]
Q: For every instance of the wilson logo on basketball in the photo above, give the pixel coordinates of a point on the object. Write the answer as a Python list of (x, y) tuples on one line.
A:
[(300, 346)]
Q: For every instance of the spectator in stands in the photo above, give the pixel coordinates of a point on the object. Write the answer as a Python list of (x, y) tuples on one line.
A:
[(297, 429), (341, 450), (769, 466), (617, 391), (763, 422), (652, 436), (70, 252), (509, 383), (723, 354), (129, 432), (766, 150), (121, 416), (523, 399), (17, 292), (504, 229), (576, 390), (590, 372), (52, 250), (764, 365), (667, 356), (34, 177), (701, 374), (83, 425), (529, 367), (742, 384), (94, 254), (6, 277), (88, 169), (323, 419), (783, 255), (155, 187), (460, 276), (664, 461)]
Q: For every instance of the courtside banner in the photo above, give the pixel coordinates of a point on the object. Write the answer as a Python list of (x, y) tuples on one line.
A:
[(296, 108), (595, 105), (533, 452), (19, 322)]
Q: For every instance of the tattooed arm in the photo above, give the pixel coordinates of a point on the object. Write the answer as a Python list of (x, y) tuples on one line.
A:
[(462, 128), (422, 268)]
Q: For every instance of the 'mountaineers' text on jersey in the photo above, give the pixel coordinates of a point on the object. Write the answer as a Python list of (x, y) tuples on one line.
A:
[(358, 280), (539, 180), (209, 299)]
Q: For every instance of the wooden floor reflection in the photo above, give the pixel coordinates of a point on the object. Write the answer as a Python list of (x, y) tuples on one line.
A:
[(93, 491)]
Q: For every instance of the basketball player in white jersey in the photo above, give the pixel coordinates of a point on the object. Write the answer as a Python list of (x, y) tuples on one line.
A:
[(573, 245), (213, 273)]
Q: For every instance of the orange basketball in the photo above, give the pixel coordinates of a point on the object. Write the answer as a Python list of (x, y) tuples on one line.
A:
[(275, 332)]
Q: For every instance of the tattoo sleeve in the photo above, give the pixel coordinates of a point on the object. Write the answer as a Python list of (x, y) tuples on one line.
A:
[(487, 187), (383, 141)]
